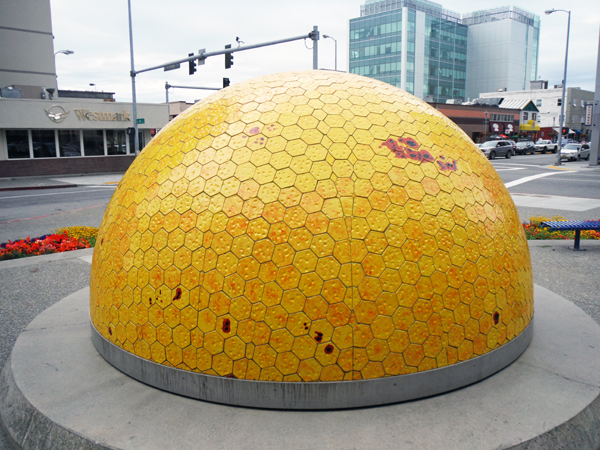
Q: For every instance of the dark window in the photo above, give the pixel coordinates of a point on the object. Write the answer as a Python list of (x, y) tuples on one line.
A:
[(132, 143), (44, 145), (115, 142), (18, 144), (93, 143), (69, 143)]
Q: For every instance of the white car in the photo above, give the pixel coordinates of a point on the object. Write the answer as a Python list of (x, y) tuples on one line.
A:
[(574, 151), (545, 145)]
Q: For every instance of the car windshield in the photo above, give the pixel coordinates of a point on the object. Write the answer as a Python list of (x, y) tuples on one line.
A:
[(571, 147), (522, 144), (488, 144)]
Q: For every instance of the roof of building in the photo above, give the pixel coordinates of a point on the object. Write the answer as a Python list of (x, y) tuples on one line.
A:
[(518, 103)]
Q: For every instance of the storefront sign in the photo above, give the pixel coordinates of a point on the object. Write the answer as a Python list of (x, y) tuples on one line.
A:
[(496, 127), (86, 114)]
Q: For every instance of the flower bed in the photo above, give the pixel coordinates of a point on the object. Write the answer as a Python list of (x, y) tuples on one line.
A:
[(534, 231), (62, 240)]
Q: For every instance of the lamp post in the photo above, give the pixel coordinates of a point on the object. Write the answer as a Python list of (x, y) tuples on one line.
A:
[(562, 118), (64, 52), (325, 36)]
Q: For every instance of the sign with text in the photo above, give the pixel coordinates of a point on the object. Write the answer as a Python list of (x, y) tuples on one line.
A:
[(589, 111), (86, 114)]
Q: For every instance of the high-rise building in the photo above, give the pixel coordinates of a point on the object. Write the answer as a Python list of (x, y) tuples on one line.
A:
[(502, 51), (440, 55)]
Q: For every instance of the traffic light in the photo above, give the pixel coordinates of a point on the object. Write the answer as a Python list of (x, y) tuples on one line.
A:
[(192, 65), (565, 131), (228, 58), (225, 82)]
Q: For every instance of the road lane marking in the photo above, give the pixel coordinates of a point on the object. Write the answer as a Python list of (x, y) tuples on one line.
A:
[(59, 193), (559, 168), (531, 178)]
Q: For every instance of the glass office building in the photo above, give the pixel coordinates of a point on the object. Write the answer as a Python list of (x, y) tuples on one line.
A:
[(422, 48), (415, 45)]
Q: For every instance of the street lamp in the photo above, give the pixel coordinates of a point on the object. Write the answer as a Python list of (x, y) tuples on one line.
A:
[(93, 84), (561, 119), (325, 36), (64, 52)]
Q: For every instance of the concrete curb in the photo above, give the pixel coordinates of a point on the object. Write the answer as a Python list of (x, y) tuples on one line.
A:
[(61, 394), (30, 188), (562, 243), (32, 260)]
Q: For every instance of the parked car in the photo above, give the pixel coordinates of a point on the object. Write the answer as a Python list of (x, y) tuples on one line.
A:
[(525, 147), (570, 152), (545, 145), (584, 152), (491, 149), (575, 151), (514, 146)]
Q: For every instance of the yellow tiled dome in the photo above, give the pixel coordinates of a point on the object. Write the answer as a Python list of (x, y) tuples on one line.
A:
[(311, 226)]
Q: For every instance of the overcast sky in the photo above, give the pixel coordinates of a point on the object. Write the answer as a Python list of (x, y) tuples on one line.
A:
[(97, 31)]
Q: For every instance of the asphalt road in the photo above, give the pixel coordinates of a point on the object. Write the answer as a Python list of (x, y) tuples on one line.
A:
[(539, 188), (37, 212)]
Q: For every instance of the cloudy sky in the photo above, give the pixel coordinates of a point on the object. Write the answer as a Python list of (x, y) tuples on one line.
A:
[(97, 31)]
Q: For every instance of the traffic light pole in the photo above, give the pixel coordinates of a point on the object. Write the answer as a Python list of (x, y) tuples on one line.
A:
[(314, 35), (136, 137), (201, 56)]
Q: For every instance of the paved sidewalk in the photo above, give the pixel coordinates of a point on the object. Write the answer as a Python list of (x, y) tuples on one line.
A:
[(59, 181)]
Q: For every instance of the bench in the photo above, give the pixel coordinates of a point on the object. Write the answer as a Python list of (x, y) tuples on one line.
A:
[(573, 225)]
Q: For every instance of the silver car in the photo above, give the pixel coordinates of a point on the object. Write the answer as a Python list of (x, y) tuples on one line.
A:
[(491, 149), (584, 152), (574, 151)]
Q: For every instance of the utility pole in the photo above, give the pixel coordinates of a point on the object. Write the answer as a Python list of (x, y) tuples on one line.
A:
[(315, 38), (595, 141), (136, 137)]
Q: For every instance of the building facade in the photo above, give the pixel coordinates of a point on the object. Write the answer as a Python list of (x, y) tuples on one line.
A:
[(440, 55), (502, 50), (482, 122), (548, 102), (71, 135), (46, 131)]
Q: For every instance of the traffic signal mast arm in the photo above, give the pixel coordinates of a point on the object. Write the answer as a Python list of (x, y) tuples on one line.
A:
[(167, 86), (314, 35)]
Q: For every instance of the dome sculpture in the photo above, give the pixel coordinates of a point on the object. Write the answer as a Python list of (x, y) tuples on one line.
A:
[(309, 227)]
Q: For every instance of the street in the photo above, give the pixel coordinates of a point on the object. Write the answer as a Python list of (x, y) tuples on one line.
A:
[(37, 212), (571, 190)]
